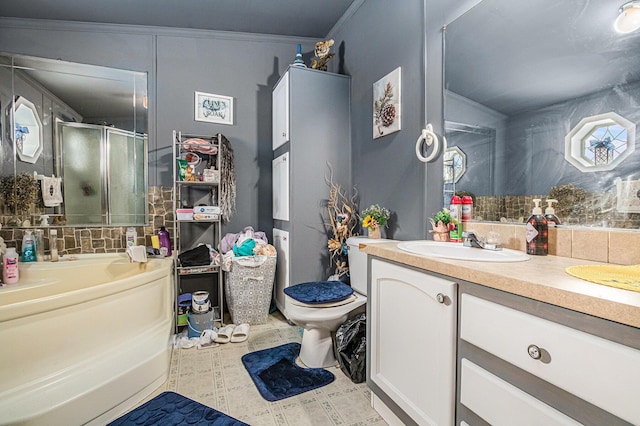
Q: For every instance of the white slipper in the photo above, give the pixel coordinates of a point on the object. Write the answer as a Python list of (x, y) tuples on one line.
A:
[(240, 334), (224, 334)]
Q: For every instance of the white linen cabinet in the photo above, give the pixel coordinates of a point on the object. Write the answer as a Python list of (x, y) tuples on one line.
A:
[(311, 136)]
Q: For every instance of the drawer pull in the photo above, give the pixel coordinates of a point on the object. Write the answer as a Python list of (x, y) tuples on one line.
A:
[(534, 352), (440, 297)]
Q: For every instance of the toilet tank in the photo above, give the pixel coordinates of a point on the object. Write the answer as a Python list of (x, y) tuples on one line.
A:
[(358, 262)]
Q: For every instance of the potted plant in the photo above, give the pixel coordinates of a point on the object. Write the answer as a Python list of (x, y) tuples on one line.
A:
[(441, 223), (374, 218)]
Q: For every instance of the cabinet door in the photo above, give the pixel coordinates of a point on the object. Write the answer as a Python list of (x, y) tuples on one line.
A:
[(280, 191), (280, 111), (413, 335), (281, 243)]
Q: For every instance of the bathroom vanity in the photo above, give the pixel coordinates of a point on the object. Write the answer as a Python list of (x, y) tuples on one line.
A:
[(533, 345)]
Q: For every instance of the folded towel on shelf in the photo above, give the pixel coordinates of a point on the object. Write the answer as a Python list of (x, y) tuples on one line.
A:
[(51, 191)]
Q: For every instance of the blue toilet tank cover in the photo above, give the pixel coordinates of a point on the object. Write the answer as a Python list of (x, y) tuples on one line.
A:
[(318, 292)]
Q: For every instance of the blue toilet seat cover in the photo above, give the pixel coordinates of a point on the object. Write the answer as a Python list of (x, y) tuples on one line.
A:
[(317, 292)]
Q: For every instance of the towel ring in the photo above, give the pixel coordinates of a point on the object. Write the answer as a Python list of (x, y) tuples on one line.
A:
[(429, 138)]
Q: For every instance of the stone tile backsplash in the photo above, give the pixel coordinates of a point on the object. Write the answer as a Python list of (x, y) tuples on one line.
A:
[(106, 239)]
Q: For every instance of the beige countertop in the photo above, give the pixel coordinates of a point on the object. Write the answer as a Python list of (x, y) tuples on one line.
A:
[(542, 278)]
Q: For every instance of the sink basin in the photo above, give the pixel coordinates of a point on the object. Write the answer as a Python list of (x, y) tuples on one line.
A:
[(460, 252)]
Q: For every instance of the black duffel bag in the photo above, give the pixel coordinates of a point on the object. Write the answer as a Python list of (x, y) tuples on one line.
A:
[(199, 256)]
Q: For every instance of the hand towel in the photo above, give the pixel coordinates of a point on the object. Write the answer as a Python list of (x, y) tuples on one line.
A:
[(137, 254), (51, 191)]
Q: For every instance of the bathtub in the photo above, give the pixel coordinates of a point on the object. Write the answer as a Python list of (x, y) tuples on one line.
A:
[(84, 339)]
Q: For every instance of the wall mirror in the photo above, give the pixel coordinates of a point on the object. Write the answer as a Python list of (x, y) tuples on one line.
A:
[(84, 124), (518, 78)]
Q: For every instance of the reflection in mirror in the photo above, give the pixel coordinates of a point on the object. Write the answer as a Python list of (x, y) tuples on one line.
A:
[(27, 130), (528, 73), (114, 160), (120, 155)]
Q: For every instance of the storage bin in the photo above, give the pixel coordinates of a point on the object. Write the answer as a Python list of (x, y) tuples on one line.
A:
[(184, 214), (199, 322), (249, 288)]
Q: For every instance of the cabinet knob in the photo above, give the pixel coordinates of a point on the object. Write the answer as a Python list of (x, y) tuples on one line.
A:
[(440, 297), (284, 134), (534, 352)]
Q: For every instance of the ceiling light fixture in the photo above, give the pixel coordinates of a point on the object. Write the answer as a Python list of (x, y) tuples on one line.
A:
[(629, 18)]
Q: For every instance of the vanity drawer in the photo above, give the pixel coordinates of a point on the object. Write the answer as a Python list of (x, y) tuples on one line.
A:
[(603, 373), (500, 403)]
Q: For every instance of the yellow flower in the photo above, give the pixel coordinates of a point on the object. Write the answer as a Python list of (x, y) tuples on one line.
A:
[(367, 221)]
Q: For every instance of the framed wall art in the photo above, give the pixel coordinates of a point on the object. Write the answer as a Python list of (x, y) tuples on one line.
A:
[(213, 108), (386, 104)]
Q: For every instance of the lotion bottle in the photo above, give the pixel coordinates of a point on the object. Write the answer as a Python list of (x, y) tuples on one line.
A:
[(10, 272), (537, 232), (165, 241), (550, 213), (132, 237), (53, 244)]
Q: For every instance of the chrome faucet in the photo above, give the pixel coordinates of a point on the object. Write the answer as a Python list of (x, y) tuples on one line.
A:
[(469, 239)]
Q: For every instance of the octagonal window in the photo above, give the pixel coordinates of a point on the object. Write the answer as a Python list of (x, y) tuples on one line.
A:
[(600, 142), (455, 164)]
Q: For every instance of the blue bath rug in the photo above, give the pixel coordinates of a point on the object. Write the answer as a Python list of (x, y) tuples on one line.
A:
[(170, 409), (276, 375), (316, 292)]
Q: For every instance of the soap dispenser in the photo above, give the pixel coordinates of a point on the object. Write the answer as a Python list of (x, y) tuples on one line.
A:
[(550, 213), (537, 231), (28, 247)]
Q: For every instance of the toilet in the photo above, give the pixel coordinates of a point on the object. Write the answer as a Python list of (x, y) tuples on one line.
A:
[(320, 321)]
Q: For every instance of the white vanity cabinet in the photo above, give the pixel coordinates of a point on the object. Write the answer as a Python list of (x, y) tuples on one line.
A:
[(411, 323), (518, 365), (311, 141)]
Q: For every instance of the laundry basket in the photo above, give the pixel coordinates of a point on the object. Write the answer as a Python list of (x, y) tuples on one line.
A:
[(248, 288)]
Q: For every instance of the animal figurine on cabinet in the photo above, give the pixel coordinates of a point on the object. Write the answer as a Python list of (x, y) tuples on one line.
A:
[(322, 54)]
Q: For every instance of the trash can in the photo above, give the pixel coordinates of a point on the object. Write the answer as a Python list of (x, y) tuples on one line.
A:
[(249, 288)]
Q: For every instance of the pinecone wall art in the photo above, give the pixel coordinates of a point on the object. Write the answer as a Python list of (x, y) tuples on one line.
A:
[(386, 104)]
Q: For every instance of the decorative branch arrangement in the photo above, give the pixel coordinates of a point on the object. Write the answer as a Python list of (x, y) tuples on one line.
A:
[(342, 223), (19, 192)]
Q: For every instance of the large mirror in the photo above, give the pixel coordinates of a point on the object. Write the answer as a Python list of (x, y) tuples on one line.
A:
[(542, 98), (77, 133)]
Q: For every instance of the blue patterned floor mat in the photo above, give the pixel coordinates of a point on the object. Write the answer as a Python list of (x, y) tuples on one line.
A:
[(276, 375), (170, 409)]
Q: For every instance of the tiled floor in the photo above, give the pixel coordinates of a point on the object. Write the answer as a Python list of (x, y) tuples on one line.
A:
[(217, 378)]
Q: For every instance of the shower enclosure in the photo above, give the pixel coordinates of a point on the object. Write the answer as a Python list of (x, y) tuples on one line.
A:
[(104, 174)]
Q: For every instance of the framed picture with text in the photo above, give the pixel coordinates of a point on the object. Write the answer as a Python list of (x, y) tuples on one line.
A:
[(213, 108)]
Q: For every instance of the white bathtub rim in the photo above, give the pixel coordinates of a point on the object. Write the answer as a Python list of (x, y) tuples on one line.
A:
[(26, 308), (36, 396)]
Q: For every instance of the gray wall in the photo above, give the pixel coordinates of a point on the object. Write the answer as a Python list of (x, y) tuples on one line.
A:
[(379, 37), (374, 40), (180, 62)]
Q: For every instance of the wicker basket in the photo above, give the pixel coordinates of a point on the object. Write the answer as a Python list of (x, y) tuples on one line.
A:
[(249, 288)]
